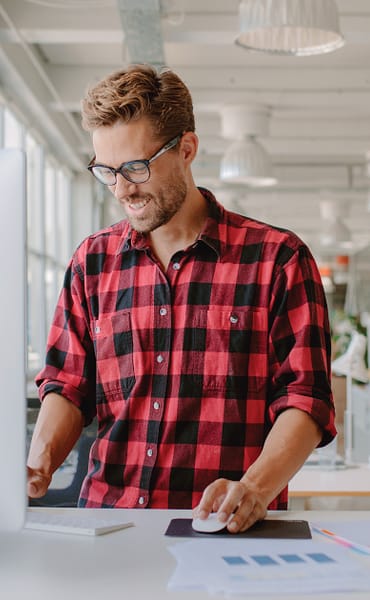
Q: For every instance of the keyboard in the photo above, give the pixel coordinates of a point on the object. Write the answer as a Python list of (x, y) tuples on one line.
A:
[(81, 523)]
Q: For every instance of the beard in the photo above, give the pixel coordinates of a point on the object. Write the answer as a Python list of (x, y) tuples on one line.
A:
[(160, 208)]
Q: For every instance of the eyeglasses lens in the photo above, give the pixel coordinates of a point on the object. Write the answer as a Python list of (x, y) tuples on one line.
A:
[(136, 171), (104, 175)]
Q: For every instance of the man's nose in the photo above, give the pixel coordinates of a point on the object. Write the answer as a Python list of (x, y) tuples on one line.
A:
[(123, 187)]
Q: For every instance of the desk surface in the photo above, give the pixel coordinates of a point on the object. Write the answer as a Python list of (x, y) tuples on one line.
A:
[(349, 481), (132, 564)]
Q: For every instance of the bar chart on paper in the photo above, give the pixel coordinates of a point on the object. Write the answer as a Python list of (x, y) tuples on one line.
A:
[(246, 567), (266, 560)]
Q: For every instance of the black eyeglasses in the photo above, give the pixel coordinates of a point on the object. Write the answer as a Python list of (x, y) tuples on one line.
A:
[(135, 171)]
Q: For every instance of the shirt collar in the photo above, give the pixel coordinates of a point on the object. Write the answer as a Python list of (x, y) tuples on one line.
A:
[(131, 240), (212, 232)]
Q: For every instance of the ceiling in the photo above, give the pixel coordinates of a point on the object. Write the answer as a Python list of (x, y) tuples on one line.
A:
[(319, 107)]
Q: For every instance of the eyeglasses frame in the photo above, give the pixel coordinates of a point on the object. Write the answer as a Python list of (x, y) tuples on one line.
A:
[(167, 146)]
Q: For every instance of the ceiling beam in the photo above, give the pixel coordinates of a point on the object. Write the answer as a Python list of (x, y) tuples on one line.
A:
[(323, 84)]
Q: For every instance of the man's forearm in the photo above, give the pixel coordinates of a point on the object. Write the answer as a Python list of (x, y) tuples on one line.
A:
[(58, 427), (291, 440)]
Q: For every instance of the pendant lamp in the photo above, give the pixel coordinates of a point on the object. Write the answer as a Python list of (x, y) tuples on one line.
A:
[(334, 235), (247, 162), (289, 27)]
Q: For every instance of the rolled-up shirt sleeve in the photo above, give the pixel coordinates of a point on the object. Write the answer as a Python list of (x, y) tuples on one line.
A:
[(69, 363), (300, 346)]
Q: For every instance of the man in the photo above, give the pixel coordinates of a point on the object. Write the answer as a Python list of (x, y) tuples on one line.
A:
[(198, 337)]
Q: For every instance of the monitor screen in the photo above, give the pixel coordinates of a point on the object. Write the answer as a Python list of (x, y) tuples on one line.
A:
[(13, 338)]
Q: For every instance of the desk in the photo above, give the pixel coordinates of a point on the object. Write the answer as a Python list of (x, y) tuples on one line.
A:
[(309, 482), (132, 564)]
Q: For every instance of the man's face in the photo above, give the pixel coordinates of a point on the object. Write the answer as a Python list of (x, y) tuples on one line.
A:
[(151, 204)]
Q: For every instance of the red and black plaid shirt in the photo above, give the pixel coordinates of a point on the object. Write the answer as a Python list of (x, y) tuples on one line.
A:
[(187, 370)]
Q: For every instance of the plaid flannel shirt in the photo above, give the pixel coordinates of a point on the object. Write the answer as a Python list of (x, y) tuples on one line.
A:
[(187, 370)]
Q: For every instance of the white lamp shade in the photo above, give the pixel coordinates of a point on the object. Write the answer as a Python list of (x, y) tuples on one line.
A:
[(289, 27), (247, 162), (334, 233)]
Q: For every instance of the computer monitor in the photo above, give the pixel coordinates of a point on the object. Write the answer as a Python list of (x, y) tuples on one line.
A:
[(13, 500)]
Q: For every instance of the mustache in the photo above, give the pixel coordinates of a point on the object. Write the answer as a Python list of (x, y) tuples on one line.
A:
[(137, 197)]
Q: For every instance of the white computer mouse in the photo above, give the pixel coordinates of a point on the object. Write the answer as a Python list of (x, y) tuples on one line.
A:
[(209, 525)]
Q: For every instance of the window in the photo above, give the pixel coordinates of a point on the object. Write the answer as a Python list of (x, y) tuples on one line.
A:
[(13, 131), (48, 232)]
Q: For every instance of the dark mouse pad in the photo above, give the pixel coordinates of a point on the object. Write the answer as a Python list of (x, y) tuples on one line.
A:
[(268, 528)]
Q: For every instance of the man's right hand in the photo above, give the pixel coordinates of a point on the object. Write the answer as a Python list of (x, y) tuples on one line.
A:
[(57, 429), (37, 483)]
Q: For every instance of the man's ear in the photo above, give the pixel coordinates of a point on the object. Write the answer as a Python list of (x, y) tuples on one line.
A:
[(189, 146)]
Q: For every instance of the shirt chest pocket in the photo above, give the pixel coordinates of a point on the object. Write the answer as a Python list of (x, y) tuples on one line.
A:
[(113, 342), (235, 349)]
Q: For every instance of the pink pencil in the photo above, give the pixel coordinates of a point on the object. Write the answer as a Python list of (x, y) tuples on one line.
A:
[(343, 541)]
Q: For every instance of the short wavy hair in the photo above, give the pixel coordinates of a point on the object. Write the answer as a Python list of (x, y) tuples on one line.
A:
[(140, 91)]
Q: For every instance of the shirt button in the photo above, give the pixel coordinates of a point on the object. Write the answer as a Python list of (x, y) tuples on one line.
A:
[(234, 319), (149, 452), (97, 329), (156, 405), (160, 358), (141, 500), (176, 266), (163, 312)]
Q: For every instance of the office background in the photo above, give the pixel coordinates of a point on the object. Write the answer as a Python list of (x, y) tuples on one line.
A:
[(310, 114)]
